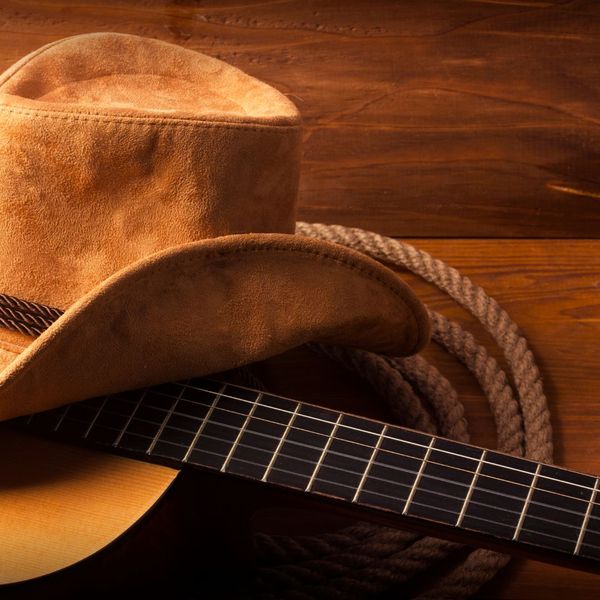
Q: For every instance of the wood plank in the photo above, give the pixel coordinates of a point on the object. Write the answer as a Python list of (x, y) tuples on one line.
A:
[(551, 289), (437, 118), (434, 118)]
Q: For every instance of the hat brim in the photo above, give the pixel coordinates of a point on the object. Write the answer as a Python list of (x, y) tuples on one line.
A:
[(210, 306)]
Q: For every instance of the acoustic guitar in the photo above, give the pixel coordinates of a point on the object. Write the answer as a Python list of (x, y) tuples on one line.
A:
[(61, 503)]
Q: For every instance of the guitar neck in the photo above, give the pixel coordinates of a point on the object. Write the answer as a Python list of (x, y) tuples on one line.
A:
[(412, 477)]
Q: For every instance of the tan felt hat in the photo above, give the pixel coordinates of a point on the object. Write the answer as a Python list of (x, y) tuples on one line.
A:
[(148, 196)]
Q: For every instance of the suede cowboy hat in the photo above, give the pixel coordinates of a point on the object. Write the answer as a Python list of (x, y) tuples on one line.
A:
[(147, 211)]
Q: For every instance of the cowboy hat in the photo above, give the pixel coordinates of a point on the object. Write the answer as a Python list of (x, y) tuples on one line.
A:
[(147, 211)]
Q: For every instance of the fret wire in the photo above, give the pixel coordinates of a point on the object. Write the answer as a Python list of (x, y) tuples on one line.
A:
[(164, 422), (341, 469), (323, 453), (463, 510), (413, 489), (293, 473), (62, 417), (551, 535), (586, 518), (515, 483), (135, 408), (240, 433), (449, 452), (281, 442), (369, 464), (375, 478), (353, 473), (93, 421), (29, 419), (380, 494), (527, 502), (296, 443), (414, 503), (349, 427), (391, 452), (209, 413)]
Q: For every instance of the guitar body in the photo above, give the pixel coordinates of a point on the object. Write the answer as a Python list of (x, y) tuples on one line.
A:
[(75, 520), (60, 504)]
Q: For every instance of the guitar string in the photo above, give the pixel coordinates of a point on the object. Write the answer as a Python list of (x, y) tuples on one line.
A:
[(423, 447), (393, 468), (364, 460), (518, 484), (240, 444), (435, 493)]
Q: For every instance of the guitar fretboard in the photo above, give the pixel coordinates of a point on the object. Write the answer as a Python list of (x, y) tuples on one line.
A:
[(245, 432)]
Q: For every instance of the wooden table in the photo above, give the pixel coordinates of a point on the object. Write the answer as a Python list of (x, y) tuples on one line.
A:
[(470, 128)]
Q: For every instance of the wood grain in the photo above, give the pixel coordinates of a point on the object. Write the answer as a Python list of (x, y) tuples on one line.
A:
[(54, 498), (433, 118), (427, 119)]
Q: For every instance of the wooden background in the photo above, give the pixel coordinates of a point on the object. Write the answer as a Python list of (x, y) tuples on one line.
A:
[(470, 128)]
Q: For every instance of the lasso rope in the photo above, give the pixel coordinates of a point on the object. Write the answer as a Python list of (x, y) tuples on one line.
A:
[(364, 560)]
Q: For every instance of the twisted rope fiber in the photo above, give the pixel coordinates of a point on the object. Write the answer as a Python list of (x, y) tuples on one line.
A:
[(26, 317), (366, 559)]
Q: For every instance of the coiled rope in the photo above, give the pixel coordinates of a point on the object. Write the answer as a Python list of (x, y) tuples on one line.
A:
[(365, 560)]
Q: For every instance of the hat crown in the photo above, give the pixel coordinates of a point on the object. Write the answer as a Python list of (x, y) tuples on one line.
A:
[(127, 74), (113, 147)]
